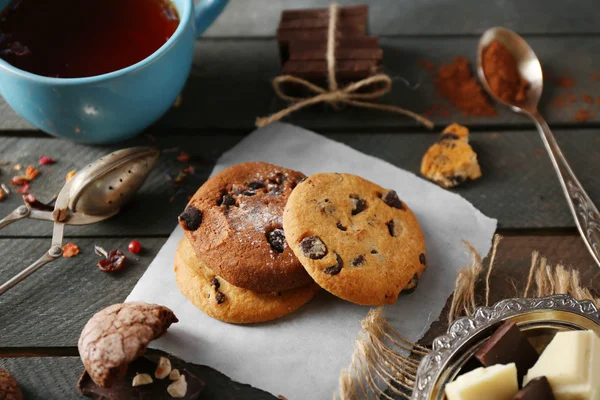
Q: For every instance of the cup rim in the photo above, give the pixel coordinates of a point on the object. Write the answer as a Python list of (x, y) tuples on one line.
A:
[(184, 17)]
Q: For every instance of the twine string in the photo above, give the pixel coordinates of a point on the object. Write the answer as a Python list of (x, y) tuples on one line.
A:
[(373, 87)]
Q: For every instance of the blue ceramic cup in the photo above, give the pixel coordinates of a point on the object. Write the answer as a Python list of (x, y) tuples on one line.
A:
[(117, 105)]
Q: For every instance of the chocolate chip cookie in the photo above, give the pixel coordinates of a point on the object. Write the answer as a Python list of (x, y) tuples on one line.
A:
[(221, 300), (451, 161), (357, 240), (234, 223)]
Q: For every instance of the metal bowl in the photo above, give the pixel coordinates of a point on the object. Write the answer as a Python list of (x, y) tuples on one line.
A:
[(540, 319)]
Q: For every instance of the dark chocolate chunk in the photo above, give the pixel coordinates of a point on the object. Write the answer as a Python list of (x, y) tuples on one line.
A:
[(215, 282), (335, 269), (227, 200), (122, 389), (391, 227), (276, 191), (392, 200), (449, 136), (508, 345), (358, 261), (411, 285), (536, 389), (191, 218), (358, 204), (374, 252), (423, 259), (276, 239), (220, 297), (341, 227), (313, 247), (256, 185)]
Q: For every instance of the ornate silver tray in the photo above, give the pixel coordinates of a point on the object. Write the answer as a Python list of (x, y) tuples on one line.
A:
[(538, 318)]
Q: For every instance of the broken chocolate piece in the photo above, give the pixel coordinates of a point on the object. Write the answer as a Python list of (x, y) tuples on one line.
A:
[(391, 199), (122, 388), (358, 204), (358, 261), (536, 389), (508, 345), (276, 239)]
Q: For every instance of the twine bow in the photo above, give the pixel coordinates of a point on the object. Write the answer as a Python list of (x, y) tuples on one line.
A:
[(374, 87)]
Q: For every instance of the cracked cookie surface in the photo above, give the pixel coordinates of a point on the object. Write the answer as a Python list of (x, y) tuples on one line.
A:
[(356, 239), (221, 300), (234, 223)]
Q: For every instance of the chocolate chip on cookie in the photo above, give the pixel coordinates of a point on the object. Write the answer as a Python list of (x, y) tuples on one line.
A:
[(313, 247), (220, 297), (336, 268), (190, 218), (276, 239), (241, 234), (375, 234), (358, 204), (215, 283), (423, 259), (392, 200)]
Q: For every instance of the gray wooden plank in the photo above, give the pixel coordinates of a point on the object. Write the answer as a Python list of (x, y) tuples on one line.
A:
[(518, 186), (51, 307), (425, 17), (229, 86), (56, 378)]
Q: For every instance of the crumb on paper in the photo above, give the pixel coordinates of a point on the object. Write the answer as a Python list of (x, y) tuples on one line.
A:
[(70, 175), (70, 250), (451, 161)]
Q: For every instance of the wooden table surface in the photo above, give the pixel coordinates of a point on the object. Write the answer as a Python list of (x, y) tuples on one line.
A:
[(40, 320)]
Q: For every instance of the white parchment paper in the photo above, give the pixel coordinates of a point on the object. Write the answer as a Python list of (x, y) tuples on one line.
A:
[(300, 356)]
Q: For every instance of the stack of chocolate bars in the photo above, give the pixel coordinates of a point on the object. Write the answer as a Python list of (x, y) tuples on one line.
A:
[(303, 35)]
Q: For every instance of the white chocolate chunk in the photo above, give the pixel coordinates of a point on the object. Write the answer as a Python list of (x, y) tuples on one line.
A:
[(141, 379), (163, 369), (498, 382), (174, 375), (178, 388), (571, 362)]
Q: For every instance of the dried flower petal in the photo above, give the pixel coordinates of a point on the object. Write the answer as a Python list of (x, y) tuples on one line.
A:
[(32, 202), (183, 157), (5, 188), (17, 167), (100, 251), (18, 180), (70, 175), (44, 160), (2, 195), (70, 250), (24, 189), (114, 262), (31, 172)]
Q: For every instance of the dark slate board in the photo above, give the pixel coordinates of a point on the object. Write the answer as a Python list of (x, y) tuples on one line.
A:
[(229, 87), (518, 187), (56, 378), (424, 17)]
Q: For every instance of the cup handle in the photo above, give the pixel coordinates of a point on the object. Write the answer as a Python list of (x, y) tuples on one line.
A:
[(206, 11)]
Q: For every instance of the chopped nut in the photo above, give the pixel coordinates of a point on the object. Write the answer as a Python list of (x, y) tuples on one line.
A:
[(178, 388), (141, 379), (118, 335), (174, 375), (163, 369)]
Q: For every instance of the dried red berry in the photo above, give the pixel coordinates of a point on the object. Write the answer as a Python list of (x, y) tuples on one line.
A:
[(44, 160), (134, 247), (114, 262)]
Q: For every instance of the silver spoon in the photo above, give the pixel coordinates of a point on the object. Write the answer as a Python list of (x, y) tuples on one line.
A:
[(95, 193), (583, 209)]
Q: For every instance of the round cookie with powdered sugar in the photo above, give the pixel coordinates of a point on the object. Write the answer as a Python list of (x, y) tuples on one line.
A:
[(356, 239), (234, 223), (221, 300)]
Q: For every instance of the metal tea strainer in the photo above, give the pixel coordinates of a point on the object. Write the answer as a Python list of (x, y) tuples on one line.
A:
[(95, 193)]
